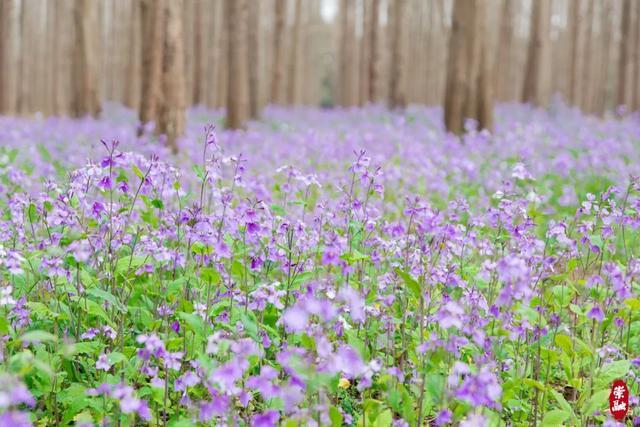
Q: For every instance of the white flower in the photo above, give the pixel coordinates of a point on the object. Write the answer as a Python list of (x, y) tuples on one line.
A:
[(5, 297)]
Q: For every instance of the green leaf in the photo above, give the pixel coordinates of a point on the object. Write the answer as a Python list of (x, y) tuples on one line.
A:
[(138, 172), (106, 296), (116, 357), (38, 336), (564, 405), (195, 323), (199, 170), (335, 416), (411, 283), (555, 418), (384, 419), (533, 383), (95, 309), (564, 342), (126, 263), (597, 401), (157, 203), (250, 324), (612, 371), (209, 275)]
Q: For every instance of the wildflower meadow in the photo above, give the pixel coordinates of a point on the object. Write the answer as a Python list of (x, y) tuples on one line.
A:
[(345, 267)]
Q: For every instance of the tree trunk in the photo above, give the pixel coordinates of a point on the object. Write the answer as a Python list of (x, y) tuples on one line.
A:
[(537, 66), (7, 57), (277, 86), (152, 15), (254, 59), (348, 91), (171, 114), (294, 58), (238, 96), (132, 83), (504, 60), (85, 97), (468, 91), (397, 95), (374, 54), (605, 62), (199, 53), (587, 69), (625, 66), (636, 55)]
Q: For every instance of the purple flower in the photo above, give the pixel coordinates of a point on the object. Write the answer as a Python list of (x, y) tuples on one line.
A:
[(266, 419), (596, 313), (444, 417), (189, 379), (176, 327), (295, 319), (103, 363), (15, 419)]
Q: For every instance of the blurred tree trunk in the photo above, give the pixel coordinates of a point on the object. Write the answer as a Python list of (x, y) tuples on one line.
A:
[(211, 35), (504, 60), (575, 27), (277, 83), (587, 69), (238, 95), (636, 54), (152, 16), (625, 66), (605, 62), (222, 87), (294, 55), (23, 106), (254, 59), (197, 95), (468, 92), (7, 56), (172, 102), (132, 82), (397, 95), (347, 94), (365, 54), (537, 66), (52, 39), (85, 95), (374, 52)]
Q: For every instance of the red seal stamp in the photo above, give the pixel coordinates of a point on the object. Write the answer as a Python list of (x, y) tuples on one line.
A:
[(619, 400)]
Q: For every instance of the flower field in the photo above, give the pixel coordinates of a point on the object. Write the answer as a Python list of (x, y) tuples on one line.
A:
[(324, 268)]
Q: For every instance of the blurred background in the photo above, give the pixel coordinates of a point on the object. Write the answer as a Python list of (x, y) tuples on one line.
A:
[(159, 57)]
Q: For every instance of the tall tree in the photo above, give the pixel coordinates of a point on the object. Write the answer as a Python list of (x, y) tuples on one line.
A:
[(636, 56), (277, 78), (254, 59), (466, 71), (536, 75), (152, 15), (605, 60), (625, 65), (504, 60), (85, 97), (373, 65), (172, 105), (397, 95), (198, 53), (238, 95), (132, 83), (294, 55), (347, 89), (7, 48), (589, 54)]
